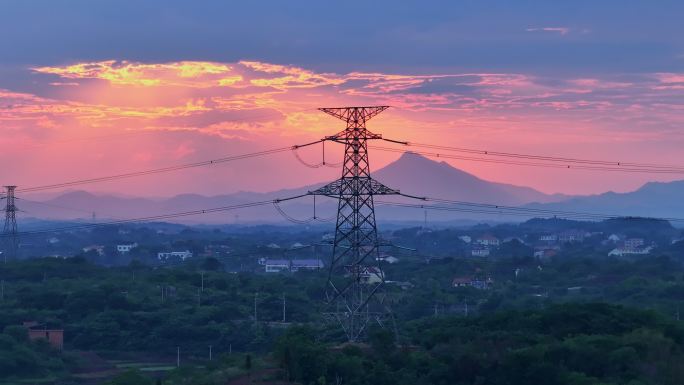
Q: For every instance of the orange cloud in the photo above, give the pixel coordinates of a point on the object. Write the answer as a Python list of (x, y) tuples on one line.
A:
[(289, 76), (124, 73)]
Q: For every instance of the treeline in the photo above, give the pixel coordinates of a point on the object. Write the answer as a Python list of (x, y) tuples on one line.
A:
[(138, 308), (574, 344)]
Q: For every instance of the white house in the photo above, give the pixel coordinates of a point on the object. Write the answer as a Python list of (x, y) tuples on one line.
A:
[(572, 236), (620, 251), (126, 248), (387, 258), (477, 283), (614, 238), (306, 264), (276, 265), (465, 238), (97, 248), (487, 240), (279, 265), (545, 253), (633, 243), (480, 252), (371, 275), (548, 238), (182, 255)]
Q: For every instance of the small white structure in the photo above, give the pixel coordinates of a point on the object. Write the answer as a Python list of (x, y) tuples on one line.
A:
[(614, 238), (571, 236), (633, 243), (305, 264), (477, 283), (126, 248), (276, 265), (53, 240), (182, 255), (620, 251), (387, 258), (487, 240), (371, 275), (97, 248), (465, 238), (480, 252), (548, 238), (279, 265), (545, 253)]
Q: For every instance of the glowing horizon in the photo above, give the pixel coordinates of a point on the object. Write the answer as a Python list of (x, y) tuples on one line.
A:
[(191, 109)]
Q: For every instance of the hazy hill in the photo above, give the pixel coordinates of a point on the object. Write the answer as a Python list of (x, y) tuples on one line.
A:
[(654, 199), (418, 175), (411, 173)]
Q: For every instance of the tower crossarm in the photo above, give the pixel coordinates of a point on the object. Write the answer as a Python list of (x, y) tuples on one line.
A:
[(346, 187), (355, 116)]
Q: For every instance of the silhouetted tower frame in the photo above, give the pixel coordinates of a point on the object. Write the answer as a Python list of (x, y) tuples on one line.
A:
[(10, 233), (354, 290)]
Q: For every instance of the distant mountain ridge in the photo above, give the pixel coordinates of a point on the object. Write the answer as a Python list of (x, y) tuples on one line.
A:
[(411, 173), (653, 199), (418, 175)]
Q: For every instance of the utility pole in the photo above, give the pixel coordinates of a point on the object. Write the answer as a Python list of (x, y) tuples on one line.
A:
[(256, 294), (283, 307), (10, 233), (209, 352), (178, 356)]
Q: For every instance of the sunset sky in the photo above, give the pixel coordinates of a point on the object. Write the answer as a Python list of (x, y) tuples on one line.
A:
[(95, 88)]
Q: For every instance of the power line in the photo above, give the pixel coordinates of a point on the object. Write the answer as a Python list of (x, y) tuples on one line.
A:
[(158, 217), (167, 169), (537, 160), (155, 171), (497, 209), (90, 212)]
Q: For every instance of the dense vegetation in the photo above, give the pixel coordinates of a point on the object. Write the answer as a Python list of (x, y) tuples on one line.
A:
[(579, 318), (563, 344)]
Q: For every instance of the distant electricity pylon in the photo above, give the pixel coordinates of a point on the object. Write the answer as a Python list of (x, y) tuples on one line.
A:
[(10, 234), (355, 281)]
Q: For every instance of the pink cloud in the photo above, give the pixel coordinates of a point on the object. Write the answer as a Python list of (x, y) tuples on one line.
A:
[(195, 110)]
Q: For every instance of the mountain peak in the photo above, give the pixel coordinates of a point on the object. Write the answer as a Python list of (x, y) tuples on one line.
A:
[(416, 174)]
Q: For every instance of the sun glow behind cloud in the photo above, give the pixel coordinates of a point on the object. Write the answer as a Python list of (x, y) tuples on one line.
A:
[(194, 110)]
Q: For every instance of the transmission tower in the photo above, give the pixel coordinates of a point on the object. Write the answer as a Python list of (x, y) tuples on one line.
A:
[(10, 234), (355, 281)]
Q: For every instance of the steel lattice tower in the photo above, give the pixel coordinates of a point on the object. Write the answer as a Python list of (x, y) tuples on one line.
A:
[(10, 233), (354, 291)]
